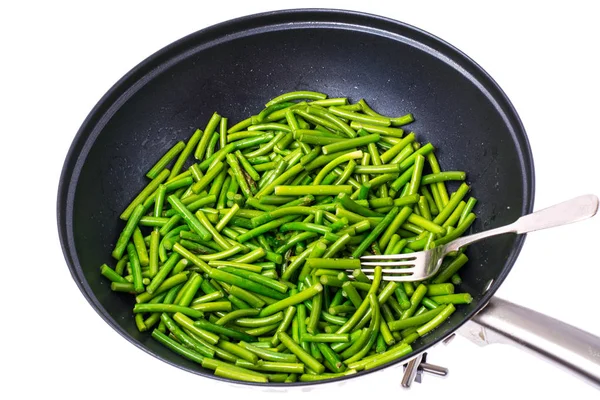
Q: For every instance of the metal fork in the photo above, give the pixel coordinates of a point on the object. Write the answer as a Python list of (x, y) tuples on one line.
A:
[(424, 264)]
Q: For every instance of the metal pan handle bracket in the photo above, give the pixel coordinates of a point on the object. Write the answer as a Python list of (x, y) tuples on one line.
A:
[(568, 347)]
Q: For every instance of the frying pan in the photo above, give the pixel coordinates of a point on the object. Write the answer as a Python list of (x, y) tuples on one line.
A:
[(237, 66)]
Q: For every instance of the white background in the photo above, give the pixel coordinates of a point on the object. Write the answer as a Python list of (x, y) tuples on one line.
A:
[(58, 59)]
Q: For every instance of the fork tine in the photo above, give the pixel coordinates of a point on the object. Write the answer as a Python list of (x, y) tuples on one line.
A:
[(393, 271), (389, 263), (400, 278), (410, 256)]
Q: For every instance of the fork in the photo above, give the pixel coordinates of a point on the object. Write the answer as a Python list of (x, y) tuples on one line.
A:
[(421, 265)]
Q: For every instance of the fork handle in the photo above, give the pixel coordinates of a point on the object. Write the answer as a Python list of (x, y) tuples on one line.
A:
[(564, 213)]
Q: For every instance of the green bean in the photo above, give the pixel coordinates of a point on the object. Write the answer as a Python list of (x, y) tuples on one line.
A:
[(456, 233), (136, 268), (189, 218), (255, 254), (176, 347), (252, 276), (383, 130), (305, 357), (373, 331), (397, 148), (247, 284), (214, 233), (467, 209), (374, 234), (290, 173), (307, 226), (222, 199), (231, 373), (269, 355), (333, 163), (109, 273), (416, 320), (296, 96), (342, 309), (382, 298), (446, 273), (308, 158), (437, 320), (332, 281), (165, 160), (415, 300), (188, 291), (456, 279), (207, 298), (188, 324), (237, 302), (387, 356), (264, 228), (237, 314), (295, 239), (426, 224), (377, 169), (440, 186), (156, 222), (234, 334), (393, 227), (314, 351), (352, 294), (294, 299), (458, 298), (337, 246), (428, 303), (337, 122), (362, 309), (127, 232), (168, 308), (315, 312), (140, 247), (316, 190), (262, 330), (288, 316), (213, 306), (363, 118), (211, 174), (247, 166), (185, 153), (240, 125), (126, 287), (443, 176), (402, 297), (258, 253), (350, 144), (438, 289), (452, 204), (327, 338), (316, 120), (322, 376), (415, 181), (269, 366), (238, 174)]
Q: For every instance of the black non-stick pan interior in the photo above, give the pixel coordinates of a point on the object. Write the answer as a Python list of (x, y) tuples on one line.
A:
[(237, 66)]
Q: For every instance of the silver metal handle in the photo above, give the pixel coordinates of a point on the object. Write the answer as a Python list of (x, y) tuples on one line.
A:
[(571, 348), (564, 213)]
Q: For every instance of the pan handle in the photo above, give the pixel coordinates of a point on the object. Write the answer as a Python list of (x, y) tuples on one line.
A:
[(568, 347)]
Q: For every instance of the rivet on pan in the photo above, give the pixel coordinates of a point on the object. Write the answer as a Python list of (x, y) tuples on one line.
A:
[(488, 285), (449, 339)]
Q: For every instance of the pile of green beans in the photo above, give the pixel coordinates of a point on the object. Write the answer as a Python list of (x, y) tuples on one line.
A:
[(243, 249)]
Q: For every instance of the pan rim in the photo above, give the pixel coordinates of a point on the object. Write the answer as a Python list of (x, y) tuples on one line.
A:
[(101, 112)]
